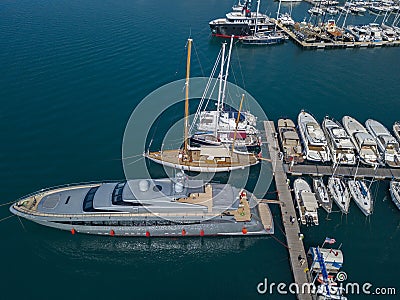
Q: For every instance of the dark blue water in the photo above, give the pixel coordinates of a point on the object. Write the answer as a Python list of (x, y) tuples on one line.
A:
[(72, 73)]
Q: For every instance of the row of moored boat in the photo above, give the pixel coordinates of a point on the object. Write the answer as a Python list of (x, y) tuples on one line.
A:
[(346, 143), (336, 190)]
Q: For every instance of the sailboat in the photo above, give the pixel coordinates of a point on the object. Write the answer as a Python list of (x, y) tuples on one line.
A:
[(263, 38), (395, 192), (207, 159), (339, 193), (361, 195), (218, 127), (396, 130), (322, 195)]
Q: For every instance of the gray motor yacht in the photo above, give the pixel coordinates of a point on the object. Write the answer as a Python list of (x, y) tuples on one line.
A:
[(148, 207)]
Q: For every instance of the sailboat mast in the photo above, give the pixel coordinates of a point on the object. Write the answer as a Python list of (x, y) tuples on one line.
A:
[(237, 123), (258, 9), (277, 14), (226, 73), (221, 75), (186, 134)]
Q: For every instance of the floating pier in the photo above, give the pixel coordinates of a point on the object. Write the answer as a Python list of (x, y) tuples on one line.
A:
[(292, 230), (346, 171)]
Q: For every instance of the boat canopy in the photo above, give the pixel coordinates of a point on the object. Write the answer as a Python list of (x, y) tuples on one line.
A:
[(286, 123), (309, 200), (290, 135), (215, 151)]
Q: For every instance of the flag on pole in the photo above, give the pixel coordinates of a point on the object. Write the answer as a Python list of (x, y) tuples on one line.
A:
[(329, 241)]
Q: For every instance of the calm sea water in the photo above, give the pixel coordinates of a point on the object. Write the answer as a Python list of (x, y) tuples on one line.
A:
[(71, 74)]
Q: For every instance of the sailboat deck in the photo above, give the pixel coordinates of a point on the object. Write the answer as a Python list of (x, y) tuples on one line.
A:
[(207, 161)]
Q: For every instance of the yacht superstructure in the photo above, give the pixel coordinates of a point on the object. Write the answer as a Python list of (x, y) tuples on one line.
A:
[(341, 147), (365, 143), (387, 144), (314, 141)]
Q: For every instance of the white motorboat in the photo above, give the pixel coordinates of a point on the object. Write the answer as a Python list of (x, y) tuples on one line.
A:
[(387, 144), (314, 141), (321, 192), (361, 195), (341, 147), (316, 11), (339, 193), (396, 130), (286, 19), (395, 192), (332, 10), (306, 202), (365, 143)]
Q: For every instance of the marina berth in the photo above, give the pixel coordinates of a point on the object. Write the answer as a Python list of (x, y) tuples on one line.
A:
[(364, 142), (307, 204), (395, 192), (341, 147), (144, 207), (322, 195), (314, 141), (387, 144), (340, 193), (290, 141), (361, 195)]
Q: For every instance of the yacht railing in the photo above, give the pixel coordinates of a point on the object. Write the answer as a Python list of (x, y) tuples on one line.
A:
[(66, 185)]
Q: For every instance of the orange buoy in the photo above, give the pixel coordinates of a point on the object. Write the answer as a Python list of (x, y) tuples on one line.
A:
[(183, 232), (202, 232), (147, 234), (244, 230), (73, 231), (112, 232)]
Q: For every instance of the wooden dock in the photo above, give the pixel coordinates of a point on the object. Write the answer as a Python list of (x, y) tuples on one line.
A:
[(333, 44), (292, 230), (346, 171)]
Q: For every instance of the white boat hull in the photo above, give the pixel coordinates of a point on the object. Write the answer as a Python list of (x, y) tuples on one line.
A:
[(339, 193), (361, 195)]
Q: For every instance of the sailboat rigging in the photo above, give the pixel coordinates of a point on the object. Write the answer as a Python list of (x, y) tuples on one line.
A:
[(203, 158)]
